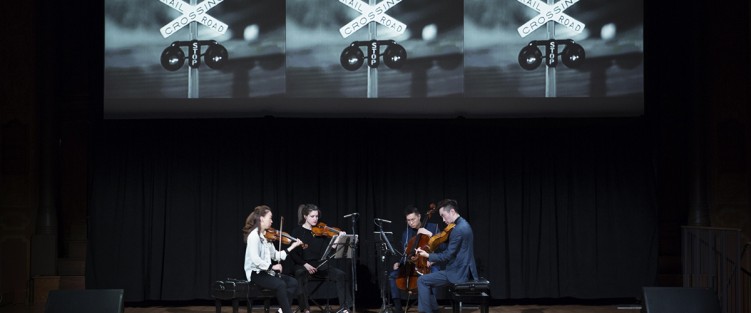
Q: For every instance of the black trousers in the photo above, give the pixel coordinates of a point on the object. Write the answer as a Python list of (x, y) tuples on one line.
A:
[(284, 286), (330, 273)]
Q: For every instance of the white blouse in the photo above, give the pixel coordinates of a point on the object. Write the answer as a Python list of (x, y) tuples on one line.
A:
[(259, 253)]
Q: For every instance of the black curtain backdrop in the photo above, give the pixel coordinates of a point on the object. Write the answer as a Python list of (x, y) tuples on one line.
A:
[(559, 207)]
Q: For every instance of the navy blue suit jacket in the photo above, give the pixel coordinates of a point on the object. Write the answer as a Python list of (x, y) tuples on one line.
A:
[(459, 256)]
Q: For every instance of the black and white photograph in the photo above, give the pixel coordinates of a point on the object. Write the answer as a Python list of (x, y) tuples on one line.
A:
[(141, 35), (599, 45), (429, 31)]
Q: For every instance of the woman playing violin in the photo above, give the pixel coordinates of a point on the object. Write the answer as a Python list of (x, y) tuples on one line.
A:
[(307, 263), (258, 255)]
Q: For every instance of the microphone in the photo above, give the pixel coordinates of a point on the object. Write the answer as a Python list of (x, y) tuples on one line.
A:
[(382, 220), (351, 214)]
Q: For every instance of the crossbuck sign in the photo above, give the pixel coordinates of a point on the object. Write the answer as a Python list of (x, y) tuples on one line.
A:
[(549, 13), (374, 13), (190, 14)]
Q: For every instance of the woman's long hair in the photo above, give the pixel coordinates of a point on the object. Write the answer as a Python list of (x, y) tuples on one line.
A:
[(254, 219), (305, 209)]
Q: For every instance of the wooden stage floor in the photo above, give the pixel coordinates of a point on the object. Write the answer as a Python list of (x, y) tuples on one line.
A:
[(493, 309), (568, 308)]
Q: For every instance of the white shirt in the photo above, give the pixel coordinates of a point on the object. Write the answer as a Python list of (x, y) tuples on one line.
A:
[(259, 253)]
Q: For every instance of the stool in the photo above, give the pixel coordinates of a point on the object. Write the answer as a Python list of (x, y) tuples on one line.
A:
[(473, 291), (235, 290), (259, 293), (317, 293)]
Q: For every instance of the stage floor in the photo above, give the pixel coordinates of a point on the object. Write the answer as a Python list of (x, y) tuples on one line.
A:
[(571, 308)]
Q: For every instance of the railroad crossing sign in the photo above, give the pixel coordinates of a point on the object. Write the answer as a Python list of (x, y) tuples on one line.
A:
[(368, 13), (190, 14), (549, 13)]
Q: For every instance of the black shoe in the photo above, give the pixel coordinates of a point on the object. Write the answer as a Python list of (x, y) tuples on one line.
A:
[(397, 305)]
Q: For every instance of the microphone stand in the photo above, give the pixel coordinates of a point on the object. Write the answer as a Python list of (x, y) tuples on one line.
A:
[(353, 248), (386, 249)]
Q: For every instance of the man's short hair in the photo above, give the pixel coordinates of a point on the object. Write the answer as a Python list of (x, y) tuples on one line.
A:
[(448, 204), (411, 209)]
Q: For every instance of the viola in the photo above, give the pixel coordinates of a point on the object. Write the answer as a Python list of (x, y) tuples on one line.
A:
[(322, 230), (272, 234), (438, 239)]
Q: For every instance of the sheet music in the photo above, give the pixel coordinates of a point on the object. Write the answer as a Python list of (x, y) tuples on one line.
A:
[(344, 246), (325, 254)]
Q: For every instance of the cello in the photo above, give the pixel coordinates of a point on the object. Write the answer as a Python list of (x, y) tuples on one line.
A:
[(416, 265)]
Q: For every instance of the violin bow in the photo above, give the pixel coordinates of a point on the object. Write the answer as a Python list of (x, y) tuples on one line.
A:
[(281, 224)]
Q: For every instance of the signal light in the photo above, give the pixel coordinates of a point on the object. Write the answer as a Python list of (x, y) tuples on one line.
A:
[(394, 56), (215, 56), (173, 58), (352, 58), (573, 55), (530, 57)]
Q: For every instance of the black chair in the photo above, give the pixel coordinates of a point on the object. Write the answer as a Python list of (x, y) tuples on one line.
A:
[(236, 290), (85, 301), (321, 288), (680, 300), (474, 291)]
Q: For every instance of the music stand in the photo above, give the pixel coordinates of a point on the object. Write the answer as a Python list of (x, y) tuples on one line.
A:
[(325, 256), (343, 249)]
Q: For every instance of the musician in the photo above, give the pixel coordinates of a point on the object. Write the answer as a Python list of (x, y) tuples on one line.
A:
[(459, 258), (258, 255), (414, 227), (307, 262)]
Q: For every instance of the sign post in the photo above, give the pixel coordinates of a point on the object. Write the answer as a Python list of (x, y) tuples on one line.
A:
[(371, 14), (551, 50), (550, 13), (194, 59), (373, 53), (191, 14)]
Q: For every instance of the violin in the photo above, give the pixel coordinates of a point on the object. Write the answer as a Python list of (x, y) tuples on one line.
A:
[(272, 234), (321, 230)]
